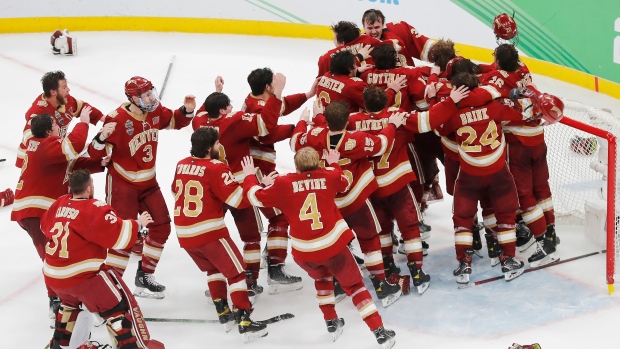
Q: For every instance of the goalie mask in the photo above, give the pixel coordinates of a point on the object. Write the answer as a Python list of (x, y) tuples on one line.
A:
[(143, 90), (63, 43), (505, 29)]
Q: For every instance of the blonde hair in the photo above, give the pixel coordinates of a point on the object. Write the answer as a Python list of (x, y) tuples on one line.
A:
[(306, 159)]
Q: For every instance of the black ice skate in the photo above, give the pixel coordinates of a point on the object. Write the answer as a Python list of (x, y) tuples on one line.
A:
[(339, 293), (386, 292), (334, 327), (477, 242), (425, 230), (249, 329), (525, 239), (511, 267), (424, 248), (421, 280), (224, 314), (385, 337), (389, 266), (545, 252), (254, 289), (550, 234), (463, 271), (280, 282), (493, 248), (146, 286)]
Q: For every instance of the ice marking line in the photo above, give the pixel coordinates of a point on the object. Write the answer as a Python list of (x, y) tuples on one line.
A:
[(28, 66), (11, 296)]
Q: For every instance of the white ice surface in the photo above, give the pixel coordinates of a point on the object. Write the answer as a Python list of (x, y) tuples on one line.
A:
[(565, 306)]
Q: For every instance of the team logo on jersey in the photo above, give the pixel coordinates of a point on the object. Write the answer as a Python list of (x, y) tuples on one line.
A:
[(155, 120), (129, 127)]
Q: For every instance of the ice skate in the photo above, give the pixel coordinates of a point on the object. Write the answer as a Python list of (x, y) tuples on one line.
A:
[(463, 271), (389, 266), (280, 282), (550, 234), (359, 260), (511, 267), (425, 248), (250, 330), (525, 239), (385, 338), (493, 249), (209, 299), (421, 280), (54, 305), (146, 286), (477, 242), (544, 254), (254, 289), (386, 292), (264, 257), (425, 230), (339, 293), (224, 314), (401, 246), (334, 327)]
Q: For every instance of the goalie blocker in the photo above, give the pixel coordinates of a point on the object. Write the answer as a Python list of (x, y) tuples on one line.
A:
[(63, 43)]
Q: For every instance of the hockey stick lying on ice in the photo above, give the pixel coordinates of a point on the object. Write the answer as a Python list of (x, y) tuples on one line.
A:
[(163, 86), (269, 321), (495, 278)]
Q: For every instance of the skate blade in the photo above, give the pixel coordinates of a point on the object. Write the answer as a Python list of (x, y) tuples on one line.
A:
[(424, 252), (252, 336), (422, 288), (462, 279), (526, 245), (229, 325), (513, 274), (494, 261), (388, 344), (336, 334), (478, 253), (401, 249), (389, 300), (144, 293), (284, 288), (550, 258)]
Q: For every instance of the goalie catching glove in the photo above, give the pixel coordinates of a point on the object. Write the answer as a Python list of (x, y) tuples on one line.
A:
[(63, 43)]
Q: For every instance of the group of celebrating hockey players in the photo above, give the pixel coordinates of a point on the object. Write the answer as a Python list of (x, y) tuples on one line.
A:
[(365, 160)]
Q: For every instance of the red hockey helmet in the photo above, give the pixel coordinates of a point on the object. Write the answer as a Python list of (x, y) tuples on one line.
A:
[(137, 85), (449, 66), (505, 26), (551, 107)]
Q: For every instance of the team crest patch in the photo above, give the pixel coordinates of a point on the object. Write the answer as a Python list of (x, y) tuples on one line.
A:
[(156, 120), (128, 124), (130, 131)]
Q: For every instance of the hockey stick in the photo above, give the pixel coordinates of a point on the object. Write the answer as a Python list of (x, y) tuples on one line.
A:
[(269, 321), (495, 278), (163, 86), (2, 160)]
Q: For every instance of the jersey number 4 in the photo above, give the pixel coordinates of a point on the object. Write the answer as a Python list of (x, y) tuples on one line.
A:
[(310, 211)]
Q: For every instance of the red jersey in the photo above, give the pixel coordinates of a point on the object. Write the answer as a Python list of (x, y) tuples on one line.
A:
[(355, 148), (200, 187), (79, 233), (133, 144), (416, 44), (341, 88), (44, 177), (318, 231), (528, 133), (262, 148), (353, 46), (393, 169), (63, 116), (482, 148), (237, 129), (409, 98)]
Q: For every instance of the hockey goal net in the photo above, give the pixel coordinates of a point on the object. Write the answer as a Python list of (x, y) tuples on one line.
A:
[(583, 163)]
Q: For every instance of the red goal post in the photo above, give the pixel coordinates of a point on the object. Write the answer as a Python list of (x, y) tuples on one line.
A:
[(583, 164)]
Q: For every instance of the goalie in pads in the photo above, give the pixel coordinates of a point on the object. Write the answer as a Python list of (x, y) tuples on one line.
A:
[(63, 43)]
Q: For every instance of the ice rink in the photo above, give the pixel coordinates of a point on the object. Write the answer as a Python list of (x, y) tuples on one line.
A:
[(564, 306)]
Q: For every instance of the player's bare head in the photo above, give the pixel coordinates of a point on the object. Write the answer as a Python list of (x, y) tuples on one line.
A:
[(441, 53), (337, 115), (464, 65), (216, 104), (373, 21), (306, 159), (342, 63), (345, 32), (203, 140), (41, 125), (506, 57), (51, 81), (385, 56), (465, 79), (259, 79), (79, 181), (375, 98)]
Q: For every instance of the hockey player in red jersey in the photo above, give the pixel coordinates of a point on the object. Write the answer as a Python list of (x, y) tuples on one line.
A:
[(131, 184), (394, 199), (347, 37), (264, 154), (319, 234), (355, 148), (413, 44), (202, 184), (80, 230), (51, 157), (236, 129), (57, 102)]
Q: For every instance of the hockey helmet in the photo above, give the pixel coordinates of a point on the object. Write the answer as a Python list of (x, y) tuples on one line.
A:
[(551, 108), (505, 28), (137, 86)]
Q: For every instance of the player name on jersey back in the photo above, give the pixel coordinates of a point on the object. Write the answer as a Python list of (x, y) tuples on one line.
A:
[(331, 84), (309, 184), (474, 115)]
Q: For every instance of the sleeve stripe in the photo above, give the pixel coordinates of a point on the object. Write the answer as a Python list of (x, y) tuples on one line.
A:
[(293, 142), (384, 145), (262, 128), (424, 123), (67, 149), (252, 196), (492, 90), (235, 198), (125, 235)]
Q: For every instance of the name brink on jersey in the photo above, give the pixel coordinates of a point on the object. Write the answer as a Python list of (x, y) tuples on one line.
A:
[(473, 116)]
